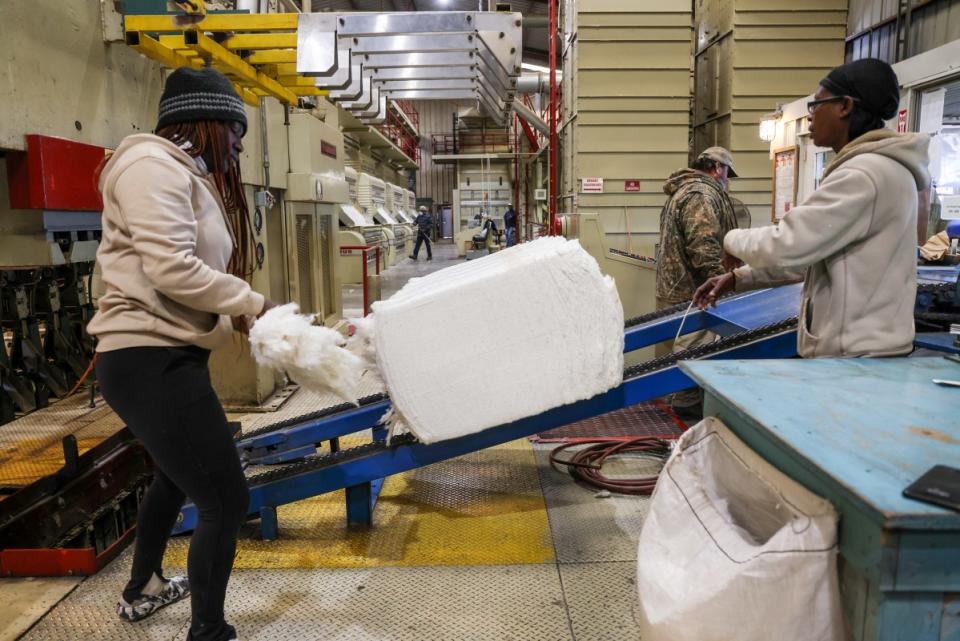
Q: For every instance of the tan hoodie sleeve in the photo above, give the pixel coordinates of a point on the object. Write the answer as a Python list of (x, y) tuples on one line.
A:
[(837, 214), (154, 202), (748, 278)]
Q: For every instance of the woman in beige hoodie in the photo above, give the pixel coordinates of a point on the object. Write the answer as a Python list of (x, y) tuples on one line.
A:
[(175, 258), (852, 242)]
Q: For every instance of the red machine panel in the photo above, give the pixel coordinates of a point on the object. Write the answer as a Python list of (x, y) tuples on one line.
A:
[(54, 174)]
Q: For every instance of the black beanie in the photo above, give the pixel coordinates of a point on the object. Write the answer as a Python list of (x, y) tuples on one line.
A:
[(872, 82), (199, 94)]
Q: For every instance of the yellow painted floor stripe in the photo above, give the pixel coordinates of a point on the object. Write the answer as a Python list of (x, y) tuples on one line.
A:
[(484, 508)]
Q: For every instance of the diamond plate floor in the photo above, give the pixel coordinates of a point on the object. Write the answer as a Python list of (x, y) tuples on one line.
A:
[(483, 508), (520, 603), (602, 600), (89, 613), (585, 527), (460, 564)]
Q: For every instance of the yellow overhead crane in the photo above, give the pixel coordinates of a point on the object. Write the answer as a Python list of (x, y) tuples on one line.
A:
[(258, 52)]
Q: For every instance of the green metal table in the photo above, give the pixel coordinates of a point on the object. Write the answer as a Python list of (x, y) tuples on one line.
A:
[(857, 432)]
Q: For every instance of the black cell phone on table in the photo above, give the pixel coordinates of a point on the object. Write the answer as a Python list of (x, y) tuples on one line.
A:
[(940, 486)]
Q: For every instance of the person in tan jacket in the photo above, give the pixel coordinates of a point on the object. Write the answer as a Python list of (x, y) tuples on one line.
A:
[(852, 242), (175, 259)]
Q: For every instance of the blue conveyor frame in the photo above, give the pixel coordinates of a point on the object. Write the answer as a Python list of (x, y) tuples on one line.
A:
[(362, 474)]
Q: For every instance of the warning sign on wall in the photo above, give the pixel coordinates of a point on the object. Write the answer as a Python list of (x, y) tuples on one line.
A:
[(591, 185), (902, 121), (631, 185)]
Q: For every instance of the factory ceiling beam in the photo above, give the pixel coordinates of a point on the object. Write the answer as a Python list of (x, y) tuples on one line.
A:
[(266, 40)]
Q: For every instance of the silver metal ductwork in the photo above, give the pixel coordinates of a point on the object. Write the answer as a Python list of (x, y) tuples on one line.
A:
[(367, 59), (536, 82), (528, 114)]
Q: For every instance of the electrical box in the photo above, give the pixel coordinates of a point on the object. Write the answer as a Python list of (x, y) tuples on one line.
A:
[(540, 194)]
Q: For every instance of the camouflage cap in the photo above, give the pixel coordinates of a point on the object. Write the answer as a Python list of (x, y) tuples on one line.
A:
[(720, 155)]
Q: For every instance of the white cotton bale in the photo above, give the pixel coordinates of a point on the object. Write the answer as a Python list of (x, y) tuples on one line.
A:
[(497, 339), (312, 355)]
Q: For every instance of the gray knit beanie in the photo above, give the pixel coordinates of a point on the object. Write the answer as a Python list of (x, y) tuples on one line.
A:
[(199, 94)]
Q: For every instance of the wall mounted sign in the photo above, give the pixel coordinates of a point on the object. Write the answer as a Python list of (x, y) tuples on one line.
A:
[(591, 185), (785, 174)]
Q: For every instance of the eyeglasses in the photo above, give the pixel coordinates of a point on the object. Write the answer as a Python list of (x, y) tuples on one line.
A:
[(813, 104)]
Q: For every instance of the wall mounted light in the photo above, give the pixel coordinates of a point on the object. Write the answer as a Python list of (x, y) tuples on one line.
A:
[(768, 125)]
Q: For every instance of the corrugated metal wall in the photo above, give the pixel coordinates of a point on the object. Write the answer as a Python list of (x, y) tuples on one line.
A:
[(627, 98), (872, 28), (752, 55), (435, 181)]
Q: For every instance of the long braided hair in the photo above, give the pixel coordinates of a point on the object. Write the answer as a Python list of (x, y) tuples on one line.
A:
[(208, 138)]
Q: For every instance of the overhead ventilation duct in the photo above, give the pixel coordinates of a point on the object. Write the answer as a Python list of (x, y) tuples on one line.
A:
[(531, 117), (536, 82), (365, 60)]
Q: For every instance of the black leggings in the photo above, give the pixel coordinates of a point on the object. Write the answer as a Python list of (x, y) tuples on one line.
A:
[(164, 396)]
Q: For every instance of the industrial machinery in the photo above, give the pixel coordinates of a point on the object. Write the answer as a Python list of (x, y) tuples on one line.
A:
[(357, 230), (404, 228), (372, 198), (758, 324), (316, 188), (411, 204), (50, 224)]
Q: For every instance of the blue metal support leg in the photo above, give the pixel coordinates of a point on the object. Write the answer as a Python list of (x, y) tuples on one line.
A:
[(269, 525)]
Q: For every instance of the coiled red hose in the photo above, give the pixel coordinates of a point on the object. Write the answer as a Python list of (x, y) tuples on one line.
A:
[(586, 464)]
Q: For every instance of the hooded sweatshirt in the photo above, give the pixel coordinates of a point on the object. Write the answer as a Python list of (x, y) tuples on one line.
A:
[(853, 244), (693, 223), (164, 252)]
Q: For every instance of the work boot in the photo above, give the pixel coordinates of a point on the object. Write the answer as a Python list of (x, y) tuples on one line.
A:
[(229, 633), (172, 590), (412, 257), (429, 257)]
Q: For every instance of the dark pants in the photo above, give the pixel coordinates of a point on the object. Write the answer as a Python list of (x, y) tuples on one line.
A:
[(422, 238), (164, 396)]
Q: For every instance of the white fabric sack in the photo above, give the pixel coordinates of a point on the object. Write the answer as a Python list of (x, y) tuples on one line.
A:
[(734, 549), (493, 340), (312, 355)]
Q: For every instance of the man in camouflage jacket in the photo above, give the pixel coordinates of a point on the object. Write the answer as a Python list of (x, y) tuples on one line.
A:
[(693, 223)]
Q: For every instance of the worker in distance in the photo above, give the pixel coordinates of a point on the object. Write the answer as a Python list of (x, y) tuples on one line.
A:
[(853, 241), (176, 259)]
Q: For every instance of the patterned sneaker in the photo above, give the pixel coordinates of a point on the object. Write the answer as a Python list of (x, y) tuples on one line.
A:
[(176, 588)]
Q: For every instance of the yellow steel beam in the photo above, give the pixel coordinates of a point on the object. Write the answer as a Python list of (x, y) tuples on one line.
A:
[(153, 49), (217, 53), (309, 91), (284, 69), (247, 95), (273, 56), (177, 44), (296, 81), (261, 41), (215, 22)]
